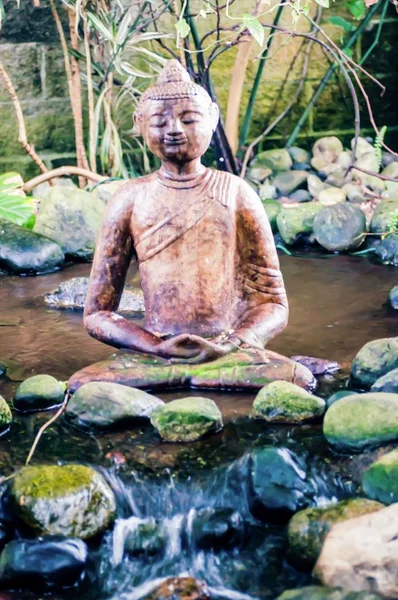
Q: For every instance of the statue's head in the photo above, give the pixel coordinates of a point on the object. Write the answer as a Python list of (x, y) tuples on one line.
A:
[(176, 116)]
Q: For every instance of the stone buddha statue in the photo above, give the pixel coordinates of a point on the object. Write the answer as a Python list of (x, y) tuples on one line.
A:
[(214, 295)]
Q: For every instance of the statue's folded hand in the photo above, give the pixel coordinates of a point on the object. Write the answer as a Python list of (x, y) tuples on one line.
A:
[(193, 348)]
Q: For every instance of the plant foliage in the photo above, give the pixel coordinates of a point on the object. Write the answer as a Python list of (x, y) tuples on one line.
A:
[(15, 206)]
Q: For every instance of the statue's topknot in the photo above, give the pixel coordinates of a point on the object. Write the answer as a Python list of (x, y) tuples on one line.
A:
[(173, 82)]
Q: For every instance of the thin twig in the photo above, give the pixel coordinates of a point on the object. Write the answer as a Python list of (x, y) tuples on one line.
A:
[(46, 425), (60, 172), (383, 177)]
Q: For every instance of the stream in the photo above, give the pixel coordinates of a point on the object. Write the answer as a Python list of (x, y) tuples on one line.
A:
[(337, 304)]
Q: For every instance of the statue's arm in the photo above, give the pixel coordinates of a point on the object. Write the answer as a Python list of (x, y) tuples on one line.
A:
[(264, 307), (108, 275)]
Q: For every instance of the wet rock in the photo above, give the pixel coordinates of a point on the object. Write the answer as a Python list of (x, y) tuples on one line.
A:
[(331, 196), (317, 366), (315, 185), (338, 396), (259, 173), (362, 554), (393, 297), (380, 481), (144, 536), (272, 208), (72, 294), (104, 191), (356, 422), (300, 196), (70, 500), (289, 181), (5, 414), (283, 402), (180, 588), (102, 404), (375, 359), (353, 192), (278, 484), (387, 250), (24, 251), (391, 170), (3, 369), (217, 528), (295, 223), (308, 528), (340, 228), (48, 563), (302, 166), (325, 151), (316, 592), (387, 383), (384, 216), (299, 155), (71, 217), (277, 159), (187, 419), (38, 392)]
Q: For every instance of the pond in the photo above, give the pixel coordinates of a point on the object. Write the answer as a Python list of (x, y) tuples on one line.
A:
[(337, 305)]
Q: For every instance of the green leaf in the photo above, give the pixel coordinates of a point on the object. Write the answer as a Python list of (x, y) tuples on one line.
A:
[(357, 8), (341, 22), (255, 28), (183, 29), (323, 3), (15, 206)]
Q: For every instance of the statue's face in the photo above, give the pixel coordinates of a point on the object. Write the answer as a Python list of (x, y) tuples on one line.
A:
[(178, 130)]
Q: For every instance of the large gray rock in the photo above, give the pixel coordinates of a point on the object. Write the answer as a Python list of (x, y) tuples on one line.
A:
[(384, 215), (376, 358), (362, 420), (187, 419), (362, 554), (71, 217), (380, 480), (72, 294), (24, 251), (289, 181), (39, 392), (102, 404), (295, 223), (387, 250), (69, 500), (284, 402), (387, 383), (277, 159), (340, 228)]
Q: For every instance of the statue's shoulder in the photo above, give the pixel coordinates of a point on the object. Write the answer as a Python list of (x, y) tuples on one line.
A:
[(128, 192)]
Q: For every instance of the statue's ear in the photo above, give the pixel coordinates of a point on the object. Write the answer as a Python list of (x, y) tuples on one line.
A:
[(137, 124), (214, 115)]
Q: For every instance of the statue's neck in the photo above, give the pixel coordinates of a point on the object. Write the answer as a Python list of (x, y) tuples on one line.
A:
[(182, 172)]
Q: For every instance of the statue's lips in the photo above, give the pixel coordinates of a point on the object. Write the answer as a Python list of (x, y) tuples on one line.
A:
[(173, 143)]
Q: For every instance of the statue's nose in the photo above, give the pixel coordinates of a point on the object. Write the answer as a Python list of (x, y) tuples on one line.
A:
[(175, 128)]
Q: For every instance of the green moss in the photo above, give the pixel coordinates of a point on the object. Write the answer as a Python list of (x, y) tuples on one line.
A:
[(186, 419), (272, 208), (5, 413), (284, 402), (296, 223), (380, 481), (51, 481), (39, 391)]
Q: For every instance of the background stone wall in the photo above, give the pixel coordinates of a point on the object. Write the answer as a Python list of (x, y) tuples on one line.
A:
[(30, 50)]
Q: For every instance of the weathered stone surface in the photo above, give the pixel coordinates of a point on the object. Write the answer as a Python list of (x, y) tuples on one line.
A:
[(277, 159), (5, 414), (393, 297), (331, 196), (362, 554), (24, 251), (317, 366), (300, 196), (49, 563), (299, 155), (383, 216), (186, 419), (387, 250), (376, 358), (380, 480), (105, 191), (278, 483), (317, 592), (325, 151), (72, 218), (259, 173), (70, 500), (43, 188), (308, 528), (102, 404), (338, 396), (244, 369), (283, 402), (72, 294), (272, 208), (180, 588), (391, 170), (295, 223), (340, 228), (387, 383), (38, 392), (362, 420), (315, 185), (289, 181), (217, 528), (267, 191), (353, 192)]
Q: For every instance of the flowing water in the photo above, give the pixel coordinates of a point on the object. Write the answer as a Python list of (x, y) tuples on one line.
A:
[(337, 305)]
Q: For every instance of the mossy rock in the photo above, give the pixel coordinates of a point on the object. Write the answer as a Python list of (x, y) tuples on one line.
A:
[(385, 212), (393, 297), (38, 392), (387, 250), (5, 414), (308, 528), (71, 500), (289, 181), (272, 208), (380, 481), (284, 402), (295, 224), (362, 420), (375, 359), (317, 592), (187, 419), (386, 383), (101, 404), (277, 159), (338, 396), (340, 227)]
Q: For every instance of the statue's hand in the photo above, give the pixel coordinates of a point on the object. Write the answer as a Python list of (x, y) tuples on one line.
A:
[(193, 348)]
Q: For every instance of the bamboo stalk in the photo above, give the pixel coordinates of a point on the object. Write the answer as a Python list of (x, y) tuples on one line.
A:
[(22, 136), (90, 95)]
